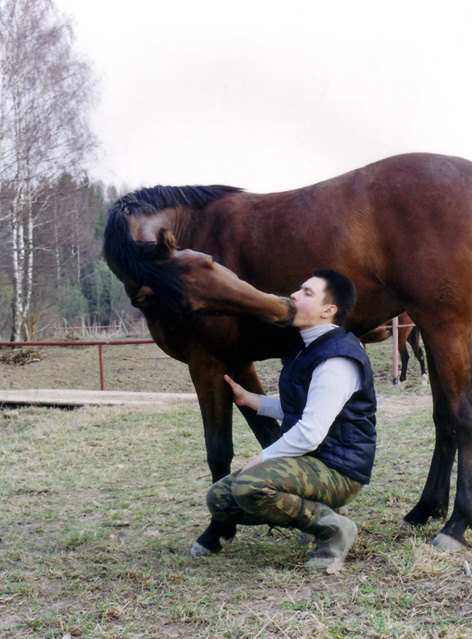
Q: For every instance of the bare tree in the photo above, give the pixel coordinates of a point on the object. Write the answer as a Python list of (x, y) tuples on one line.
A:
[(46, 92)]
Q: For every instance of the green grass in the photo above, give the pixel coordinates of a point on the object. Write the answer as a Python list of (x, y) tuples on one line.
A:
[(100, 506)]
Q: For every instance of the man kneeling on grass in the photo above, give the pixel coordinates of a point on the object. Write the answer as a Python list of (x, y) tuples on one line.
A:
[(326, 449)]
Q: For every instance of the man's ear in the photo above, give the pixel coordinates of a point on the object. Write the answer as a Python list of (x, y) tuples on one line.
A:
[(329, 311)]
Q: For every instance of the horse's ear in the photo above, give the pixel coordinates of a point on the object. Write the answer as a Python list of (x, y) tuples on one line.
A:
[(160, 250), (166, 244)]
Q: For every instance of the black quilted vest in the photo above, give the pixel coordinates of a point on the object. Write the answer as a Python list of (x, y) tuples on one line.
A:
[(349, 446)]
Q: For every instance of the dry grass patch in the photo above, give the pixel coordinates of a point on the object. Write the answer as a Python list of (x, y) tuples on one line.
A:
[(101, 505)]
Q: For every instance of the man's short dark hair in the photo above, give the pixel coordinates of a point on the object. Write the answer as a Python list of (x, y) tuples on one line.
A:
[(340, 291)]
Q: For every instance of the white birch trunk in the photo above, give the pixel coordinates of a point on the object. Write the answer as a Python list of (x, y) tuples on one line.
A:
[(57, 252), (44, 91), (17, 264), (29, 263), (77, 245)]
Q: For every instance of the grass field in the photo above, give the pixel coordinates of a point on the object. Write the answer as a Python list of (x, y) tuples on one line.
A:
[(100, 506)]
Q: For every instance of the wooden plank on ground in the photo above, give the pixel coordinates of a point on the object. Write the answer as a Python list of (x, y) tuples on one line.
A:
[(66, 397)]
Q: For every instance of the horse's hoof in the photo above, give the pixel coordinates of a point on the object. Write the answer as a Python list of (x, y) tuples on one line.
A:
[(447, 543), (424, 380), (405, 526), (197, 551)]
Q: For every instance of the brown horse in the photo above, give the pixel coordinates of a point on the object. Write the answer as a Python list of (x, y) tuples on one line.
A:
[(401, 229), (407, 333)]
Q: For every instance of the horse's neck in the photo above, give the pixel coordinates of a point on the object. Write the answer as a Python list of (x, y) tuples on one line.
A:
[(180, 218)]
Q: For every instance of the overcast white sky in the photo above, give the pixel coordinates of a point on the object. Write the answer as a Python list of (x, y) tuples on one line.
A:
[(270, 95)]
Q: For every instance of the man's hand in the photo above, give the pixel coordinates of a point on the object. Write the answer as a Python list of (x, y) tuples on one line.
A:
[(242, 397)]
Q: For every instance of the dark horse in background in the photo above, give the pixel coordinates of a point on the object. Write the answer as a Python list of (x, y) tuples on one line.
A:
[(407, 333), (400, 228)]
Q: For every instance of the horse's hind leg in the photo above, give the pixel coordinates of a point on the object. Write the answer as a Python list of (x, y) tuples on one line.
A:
[(404, 359), (448, 343), (403, 334), (451, 536), (434, 500), (414, 341)]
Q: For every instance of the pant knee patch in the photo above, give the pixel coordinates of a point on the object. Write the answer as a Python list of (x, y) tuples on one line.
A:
[(249, 494)]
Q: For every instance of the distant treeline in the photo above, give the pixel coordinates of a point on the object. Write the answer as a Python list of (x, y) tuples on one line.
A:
[(70, 283), (51, 216)]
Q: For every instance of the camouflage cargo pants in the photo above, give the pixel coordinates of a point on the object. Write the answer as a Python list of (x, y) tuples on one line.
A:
[(274, 492)]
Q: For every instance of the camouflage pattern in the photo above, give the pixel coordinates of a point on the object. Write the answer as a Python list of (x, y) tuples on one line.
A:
[(280, 492)]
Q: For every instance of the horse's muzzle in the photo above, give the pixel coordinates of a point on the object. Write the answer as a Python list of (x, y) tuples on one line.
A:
[(291, 312)]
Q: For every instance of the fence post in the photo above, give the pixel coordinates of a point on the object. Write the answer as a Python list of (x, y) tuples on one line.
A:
[(102, 374), (395, 349)]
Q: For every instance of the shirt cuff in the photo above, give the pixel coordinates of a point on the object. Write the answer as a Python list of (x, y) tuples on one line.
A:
[(270, 407)]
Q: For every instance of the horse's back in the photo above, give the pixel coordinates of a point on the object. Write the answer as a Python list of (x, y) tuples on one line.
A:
[(386, 212)]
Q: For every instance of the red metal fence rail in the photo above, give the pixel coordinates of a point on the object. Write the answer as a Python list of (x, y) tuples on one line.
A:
[(99, 343), (122, 342)]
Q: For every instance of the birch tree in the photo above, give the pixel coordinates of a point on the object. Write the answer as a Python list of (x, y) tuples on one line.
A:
[(46, 92)]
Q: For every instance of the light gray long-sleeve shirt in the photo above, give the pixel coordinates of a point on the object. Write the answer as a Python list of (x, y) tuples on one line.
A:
[(333, 382)]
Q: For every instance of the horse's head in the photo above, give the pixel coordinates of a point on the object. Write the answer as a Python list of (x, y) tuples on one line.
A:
[(160, 279), (196, 283), (151, 277), (213, 289)]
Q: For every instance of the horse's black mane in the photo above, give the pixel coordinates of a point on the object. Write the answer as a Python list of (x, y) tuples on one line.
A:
[(137, 259), (163, 197)]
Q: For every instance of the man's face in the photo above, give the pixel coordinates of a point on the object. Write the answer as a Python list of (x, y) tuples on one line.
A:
[(312, 308)]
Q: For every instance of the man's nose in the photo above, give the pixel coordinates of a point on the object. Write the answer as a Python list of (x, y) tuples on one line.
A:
[(294, 296)]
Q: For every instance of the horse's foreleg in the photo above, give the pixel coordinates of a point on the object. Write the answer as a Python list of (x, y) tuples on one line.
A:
[(265, 429), (434, 499), (215, 399)]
